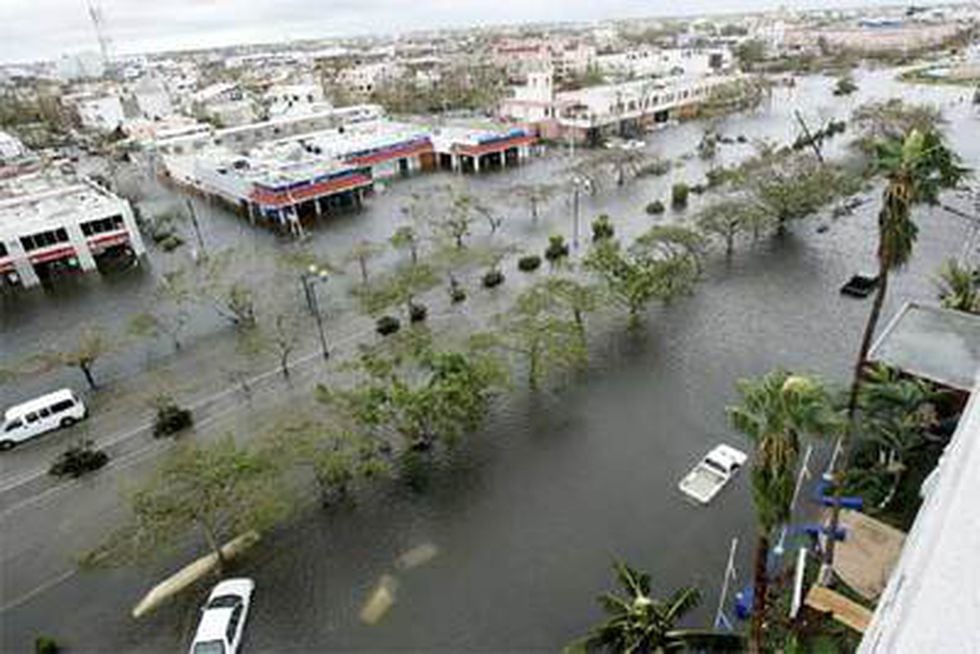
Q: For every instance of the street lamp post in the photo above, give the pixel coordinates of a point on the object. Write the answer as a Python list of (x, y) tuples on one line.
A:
[(310, 279)]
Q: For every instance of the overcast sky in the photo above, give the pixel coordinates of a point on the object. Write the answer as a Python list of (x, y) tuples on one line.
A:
[(35, 29)]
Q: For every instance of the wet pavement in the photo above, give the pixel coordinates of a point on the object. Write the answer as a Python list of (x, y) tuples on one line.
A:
[(528, 514)]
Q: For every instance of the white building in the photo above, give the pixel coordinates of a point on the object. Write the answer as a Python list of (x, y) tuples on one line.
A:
[(10, 148), (152, 98), (932, 600), (84, 65), (283, 99), (289, 171), (52, 227), (588, 114), (567, 58), (363, 80), (99, 112), (662, 62)]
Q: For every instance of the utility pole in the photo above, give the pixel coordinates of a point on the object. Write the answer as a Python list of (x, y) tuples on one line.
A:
[(808, 136), (197, 229), (98, 22)]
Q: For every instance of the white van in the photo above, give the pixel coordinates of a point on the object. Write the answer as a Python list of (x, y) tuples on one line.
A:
[(52, 411)]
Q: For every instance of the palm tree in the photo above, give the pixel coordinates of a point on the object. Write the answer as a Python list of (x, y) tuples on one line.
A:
[(959, 287), (776, 411), (639, 624), (917, 168)]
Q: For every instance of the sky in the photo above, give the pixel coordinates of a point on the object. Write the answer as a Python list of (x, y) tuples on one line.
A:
[(46, 29)]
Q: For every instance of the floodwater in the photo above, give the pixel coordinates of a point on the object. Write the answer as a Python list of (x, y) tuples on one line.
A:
[(521, 523)]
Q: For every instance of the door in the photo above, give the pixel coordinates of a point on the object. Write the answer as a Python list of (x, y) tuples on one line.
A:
[(32, 424)]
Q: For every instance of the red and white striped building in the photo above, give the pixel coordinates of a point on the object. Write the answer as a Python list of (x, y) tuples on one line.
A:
[(52, 227), (296, 176)]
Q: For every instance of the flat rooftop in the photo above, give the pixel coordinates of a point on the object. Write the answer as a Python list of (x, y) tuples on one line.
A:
[(35, 202), (937, 344), (610, 92)]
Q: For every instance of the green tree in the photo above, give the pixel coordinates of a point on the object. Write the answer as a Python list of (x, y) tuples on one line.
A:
[(92, 343), (776, 411), (362, 253), (339, 458), (788, 187), (456, 222), (406, 238), (602, 228), (233, 299), (171, 309), (284, 337), (219, 490), (638, 623), (890, 119), (896, 411), (399, 287), (536, 195), (531, 329), (959, 287), (425, 398), (653, 267), (728, 218), (917, 168), (576, 298), (750, 53)]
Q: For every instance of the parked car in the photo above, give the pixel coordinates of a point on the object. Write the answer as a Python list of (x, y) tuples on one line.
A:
[(223, 618), (35, 417), (712, 473)]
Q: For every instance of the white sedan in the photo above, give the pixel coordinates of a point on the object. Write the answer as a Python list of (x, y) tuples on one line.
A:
[(223, 618)]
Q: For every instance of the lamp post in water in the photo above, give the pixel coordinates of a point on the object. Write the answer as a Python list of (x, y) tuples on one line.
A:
[(313, 276)]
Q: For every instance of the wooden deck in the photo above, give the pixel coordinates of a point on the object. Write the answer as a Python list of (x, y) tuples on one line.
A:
[(842, 609)]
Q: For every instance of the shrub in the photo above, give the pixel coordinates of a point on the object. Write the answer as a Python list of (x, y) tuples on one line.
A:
[(171, 242), (655, 207), (417, 312), (656, 169), (557, 248), (602, 228), (530, 263), (171, 419), (493, 278), (456, 292), (388, 325), (46, 645), (78, 460), (678, 195)]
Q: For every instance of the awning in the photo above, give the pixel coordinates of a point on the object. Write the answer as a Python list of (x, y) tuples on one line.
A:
[(937, 344)]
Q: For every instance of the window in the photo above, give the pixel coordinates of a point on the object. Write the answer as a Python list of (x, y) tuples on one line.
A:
[(45, 412), (64, 405), (3, 250), (233, 621), (102, 225), (209, 647), (16, 424), (31, 417), (44, 239)]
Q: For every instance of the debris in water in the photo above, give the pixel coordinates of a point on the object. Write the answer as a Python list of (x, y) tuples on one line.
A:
[(416, 556), (380, 601)]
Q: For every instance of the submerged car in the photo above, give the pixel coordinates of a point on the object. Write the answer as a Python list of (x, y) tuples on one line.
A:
[(712, 473), (223, 618)]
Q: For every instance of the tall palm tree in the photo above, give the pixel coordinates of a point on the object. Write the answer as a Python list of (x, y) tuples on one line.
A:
[(776, 411), (917, 168), (639, 624)]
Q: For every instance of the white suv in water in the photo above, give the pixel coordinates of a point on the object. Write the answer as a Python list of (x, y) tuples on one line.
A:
[(223, 618), (48, 412)]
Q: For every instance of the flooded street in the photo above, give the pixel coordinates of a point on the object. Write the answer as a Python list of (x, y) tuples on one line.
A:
[(525, 517)]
